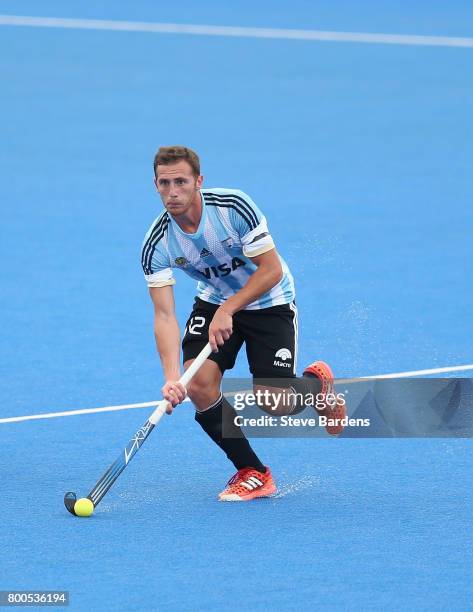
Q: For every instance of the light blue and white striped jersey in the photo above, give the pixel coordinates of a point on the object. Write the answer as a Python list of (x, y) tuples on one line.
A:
[(232, 229)]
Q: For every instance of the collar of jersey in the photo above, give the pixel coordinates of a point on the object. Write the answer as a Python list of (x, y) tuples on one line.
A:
[(200, 229)]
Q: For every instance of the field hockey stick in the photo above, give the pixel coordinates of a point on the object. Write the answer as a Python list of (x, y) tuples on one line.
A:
[(114, 471)]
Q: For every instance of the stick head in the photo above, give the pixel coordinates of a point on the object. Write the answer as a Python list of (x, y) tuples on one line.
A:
[(70, 499)]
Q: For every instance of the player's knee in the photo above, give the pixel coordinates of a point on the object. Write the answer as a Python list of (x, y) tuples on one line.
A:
[(204, 388), (201, 392), (195, 390)]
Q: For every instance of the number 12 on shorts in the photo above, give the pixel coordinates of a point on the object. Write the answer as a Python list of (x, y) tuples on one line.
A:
[(194, 325)]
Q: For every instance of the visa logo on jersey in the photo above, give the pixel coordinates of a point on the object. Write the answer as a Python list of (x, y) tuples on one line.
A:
[(222, 269)]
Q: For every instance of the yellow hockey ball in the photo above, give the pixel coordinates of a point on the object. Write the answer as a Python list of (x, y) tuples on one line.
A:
[(83, 507)]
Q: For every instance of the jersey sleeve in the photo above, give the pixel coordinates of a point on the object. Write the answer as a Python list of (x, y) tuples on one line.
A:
[(155, 261), (251, 225)]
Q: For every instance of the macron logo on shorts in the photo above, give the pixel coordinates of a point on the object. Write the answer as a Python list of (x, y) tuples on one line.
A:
[(283, 354)]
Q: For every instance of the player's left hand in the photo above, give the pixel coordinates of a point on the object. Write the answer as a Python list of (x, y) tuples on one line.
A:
[(220, 329)]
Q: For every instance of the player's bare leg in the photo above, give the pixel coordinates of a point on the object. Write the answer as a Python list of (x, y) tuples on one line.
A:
[(204, 388)]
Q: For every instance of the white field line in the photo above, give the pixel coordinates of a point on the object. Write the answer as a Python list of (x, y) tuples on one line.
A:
[(462, 368), (232, 31), (67, 413)]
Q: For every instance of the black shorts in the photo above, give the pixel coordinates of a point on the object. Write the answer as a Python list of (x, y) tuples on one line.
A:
[(269, 334)]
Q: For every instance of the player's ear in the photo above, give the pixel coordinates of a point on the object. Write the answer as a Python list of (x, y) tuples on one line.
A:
[(199, 182), (155, 181)]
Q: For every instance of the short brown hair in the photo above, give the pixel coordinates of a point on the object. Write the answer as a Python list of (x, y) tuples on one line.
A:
[(174, 154)]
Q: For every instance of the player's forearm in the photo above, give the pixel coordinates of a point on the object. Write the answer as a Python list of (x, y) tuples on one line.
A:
[(260, 282), (167, 335)]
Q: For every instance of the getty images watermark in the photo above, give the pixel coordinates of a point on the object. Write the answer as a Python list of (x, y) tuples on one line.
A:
[(280, 405), (381, 408)]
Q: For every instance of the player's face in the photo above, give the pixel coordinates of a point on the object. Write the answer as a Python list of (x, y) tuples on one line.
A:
[(177, 186)]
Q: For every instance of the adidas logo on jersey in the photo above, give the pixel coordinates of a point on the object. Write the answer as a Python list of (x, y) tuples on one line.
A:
[(228, 243), (205, 253), (284, 354)]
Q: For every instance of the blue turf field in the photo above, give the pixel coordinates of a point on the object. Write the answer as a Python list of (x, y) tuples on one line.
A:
[(360, 156)]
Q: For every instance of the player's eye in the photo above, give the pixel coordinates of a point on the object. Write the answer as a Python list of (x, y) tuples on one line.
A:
[(180, 181)]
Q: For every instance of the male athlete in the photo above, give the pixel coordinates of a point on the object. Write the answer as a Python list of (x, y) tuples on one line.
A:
[(245, 294)]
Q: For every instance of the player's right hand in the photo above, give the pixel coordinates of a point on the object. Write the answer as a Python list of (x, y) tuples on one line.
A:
[(220, 328), (174, 392)]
